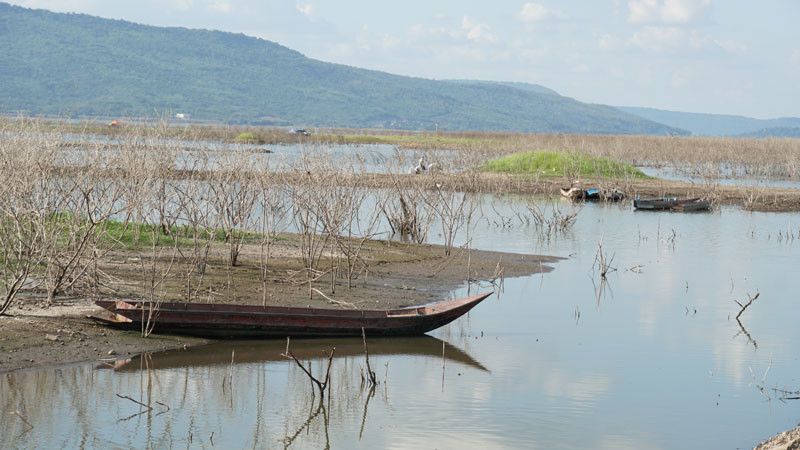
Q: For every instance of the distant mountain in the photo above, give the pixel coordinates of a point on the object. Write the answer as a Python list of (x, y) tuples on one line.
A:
[(779, 132), (711, 124), (79, 65)]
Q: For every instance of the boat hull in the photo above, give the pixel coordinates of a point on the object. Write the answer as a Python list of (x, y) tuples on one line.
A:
[(240, 321), (689, 204)]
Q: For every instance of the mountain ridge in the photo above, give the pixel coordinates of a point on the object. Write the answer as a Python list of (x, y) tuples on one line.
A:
[(704, 124), (81, 65)]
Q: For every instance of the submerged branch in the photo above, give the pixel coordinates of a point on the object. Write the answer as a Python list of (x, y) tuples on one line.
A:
[(746, 305)]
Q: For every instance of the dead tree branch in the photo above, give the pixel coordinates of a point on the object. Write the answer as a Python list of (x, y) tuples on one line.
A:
[(322, 385), (746, 305)]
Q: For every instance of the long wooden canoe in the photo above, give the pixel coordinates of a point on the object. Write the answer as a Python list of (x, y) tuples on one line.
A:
[(231, 321)]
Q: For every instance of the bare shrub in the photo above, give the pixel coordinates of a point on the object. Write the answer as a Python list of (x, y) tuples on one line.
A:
[(22, 160), (453, 209), (553, 222), (271, 200)]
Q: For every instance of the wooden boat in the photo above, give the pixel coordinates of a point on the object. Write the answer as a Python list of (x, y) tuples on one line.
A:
[(688, 204), (606, 195), (700, 205), (231, 321)]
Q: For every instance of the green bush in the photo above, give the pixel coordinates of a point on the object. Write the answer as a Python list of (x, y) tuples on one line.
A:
[(549, 163), (247, 137)]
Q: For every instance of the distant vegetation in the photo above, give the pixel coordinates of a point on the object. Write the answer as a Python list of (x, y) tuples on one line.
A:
[(247, 137), (72, 65), (559, 164)]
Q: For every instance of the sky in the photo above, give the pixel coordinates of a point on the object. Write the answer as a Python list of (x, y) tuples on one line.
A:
[(712, 56)]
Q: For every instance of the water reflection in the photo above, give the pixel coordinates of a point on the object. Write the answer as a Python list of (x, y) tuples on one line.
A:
[(247, 352), (189, 155)]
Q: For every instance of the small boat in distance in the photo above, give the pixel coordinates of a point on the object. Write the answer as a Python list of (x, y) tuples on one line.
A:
[(702, 204), (602, 194), (673, 204), (247, 321), (574, 193)]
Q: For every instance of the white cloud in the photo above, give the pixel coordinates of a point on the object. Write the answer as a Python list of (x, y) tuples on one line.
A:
[(532, 54), (795, 58), (536, 12), (183, 5), (469, 30), (433, 33), (307, 9), (608, 43), (671, 39), (657, 39), (667, 12), (219, 6), (681, 79), (733, 47), (478, 32), (579, 68)]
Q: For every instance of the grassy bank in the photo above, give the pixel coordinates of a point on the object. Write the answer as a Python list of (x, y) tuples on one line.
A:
[(543, 163)]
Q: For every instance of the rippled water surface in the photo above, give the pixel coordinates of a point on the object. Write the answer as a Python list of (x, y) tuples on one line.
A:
[(651, 358)]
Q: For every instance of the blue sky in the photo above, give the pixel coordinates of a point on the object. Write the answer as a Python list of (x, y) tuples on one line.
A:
[(730, 57)]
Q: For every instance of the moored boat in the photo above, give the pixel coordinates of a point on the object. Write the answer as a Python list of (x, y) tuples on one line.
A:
[(674, 204), (702, 204), (595, 194), (602, 194), (574, 193), (231, 321)]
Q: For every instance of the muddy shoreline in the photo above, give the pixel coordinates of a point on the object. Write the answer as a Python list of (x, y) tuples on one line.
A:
[(34, 335)]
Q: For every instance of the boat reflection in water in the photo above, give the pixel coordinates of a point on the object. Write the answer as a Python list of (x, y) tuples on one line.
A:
[(304, 349)]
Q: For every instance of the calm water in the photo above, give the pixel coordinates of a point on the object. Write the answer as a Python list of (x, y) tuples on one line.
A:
[(726, 177), (656, 359), (207, 155)]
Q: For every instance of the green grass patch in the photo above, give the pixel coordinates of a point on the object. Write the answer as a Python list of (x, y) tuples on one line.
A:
[(557, 164), (247, 137), (127, 235)]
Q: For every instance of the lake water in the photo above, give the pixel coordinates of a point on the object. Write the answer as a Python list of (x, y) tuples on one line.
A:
[(724, 176), (206, 155), (653, 359)]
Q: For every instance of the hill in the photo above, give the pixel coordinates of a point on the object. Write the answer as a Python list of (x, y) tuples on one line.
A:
[(778, 132), (514, 84), (79, 65), (711, 124)]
